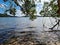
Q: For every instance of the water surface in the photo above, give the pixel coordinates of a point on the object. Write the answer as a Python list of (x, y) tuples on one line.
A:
[(24, 27)]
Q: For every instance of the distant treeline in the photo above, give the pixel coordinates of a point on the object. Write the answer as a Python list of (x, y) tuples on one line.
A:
[(5, 15)]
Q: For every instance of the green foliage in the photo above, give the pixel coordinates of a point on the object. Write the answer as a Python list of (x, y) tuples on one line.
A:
[(32, 17), (54, 5), (50, 9), (44, 11), (4, 15), (16, 2), (12, 11), (27, 7)]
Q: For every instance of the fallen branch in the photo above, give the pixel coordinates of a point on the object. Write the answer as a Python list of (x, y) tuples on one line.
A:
[(53, 31)]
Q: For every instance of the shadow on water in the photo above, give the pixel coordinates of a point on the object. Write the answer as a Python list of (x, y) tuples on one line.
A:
[(12, 37)]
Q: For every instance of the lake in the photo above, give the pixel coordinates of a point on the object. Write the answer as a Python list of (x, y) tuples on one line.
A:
[(24, 27)]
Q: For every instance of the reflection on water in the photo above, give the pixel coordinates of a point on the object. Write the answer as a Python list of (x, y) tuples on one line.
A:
[(22, 31)]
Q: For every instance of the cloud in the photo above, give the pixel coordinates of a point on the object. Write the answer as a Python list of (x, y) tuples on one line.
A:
[(19, 13), (3, 5), (45, 0)]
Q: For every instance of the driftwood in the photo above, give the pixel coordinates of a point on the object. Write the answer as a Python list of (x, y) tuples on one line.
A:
[(55, 25), (53, 31)]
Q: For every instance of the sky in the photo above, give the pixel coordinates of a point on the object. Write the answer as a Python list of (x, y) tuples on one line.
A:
[(19, 13)]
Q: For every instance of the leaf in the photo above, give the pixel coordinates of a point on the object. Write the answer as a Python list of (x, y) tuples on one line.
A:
[(12, 11), (16, 2)]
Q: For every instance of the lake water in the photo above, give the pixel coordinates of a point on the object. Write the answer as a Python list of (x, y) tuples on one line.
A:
[(7, 23), (25, 25)]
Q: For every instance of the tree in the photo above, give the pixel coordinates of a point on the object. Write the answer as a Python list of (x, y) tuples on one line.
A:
[(11, 8), (27, 7), (58, 7), (50, 9)]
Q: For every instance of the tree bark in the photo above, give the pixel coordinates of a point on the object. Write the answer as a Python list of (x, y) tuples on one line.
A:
[(58, 1)]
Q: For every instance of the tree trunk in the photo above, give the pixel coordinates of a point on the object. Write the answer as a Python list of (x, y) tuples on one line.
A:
[(58, 1)]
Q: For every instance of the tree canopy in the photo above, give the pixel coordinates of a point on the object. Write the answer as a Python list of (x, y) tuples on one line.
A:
[(28, 8), (51, 8)]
